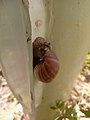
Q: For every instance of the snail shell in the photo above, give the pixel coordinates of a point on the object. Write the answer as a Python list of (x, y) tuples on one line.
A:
[(48, 68)]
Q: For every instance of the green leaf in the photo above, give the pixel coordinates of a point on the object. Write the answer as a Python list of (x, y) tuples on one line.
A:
[(59, 118), (61, 105), (57, 115), (86, 112), (74, 113), (72, 118), (69, 111), (58, 102), (63, 112)]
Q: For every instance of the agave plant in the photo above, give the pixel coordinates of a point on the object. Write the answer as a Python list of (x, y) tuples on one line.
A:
[(65, 24)]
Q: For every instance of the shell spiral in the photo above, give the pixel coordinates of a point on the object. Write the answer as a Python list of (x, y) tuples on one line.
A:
[(48, 68)]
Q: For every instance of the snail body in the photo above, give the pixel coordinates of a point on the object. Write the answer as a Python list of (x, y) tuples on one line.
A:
[(47, 64)]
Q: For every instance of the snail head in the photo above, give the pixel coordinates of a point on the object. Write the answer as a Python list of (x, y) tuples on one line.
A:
[(40, 48)]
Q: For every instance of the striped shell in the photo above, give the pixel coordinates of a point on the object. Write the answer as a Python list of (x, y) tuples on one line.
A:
[(48, 68)]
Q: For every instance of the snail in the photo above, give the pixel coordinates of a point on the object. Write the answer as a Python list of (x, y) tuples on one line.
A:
[(45, 61)]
